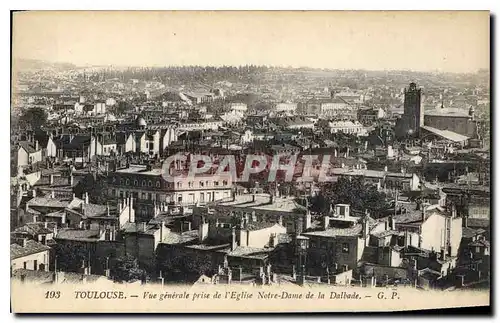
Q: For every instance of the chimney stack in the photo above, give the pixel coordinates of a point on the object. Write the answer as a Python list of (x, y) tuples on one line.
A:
[(233, 239), (326, 222), (86, 198), (131, 211), (443, 253), (37, 147), (51, 179)]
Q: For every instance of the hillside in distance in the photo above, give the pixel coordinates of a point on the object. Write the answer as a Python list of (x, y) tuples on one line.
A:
[(32, 65)]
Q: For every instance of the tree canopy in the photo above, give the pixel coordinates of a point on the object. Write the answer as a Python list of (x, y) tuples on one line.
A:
[(361, 197), (126, 269), (35, 117)]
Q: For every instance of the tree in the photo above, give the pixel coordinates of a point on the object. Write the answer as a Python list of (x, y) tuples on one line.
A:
[(35, 117), (126, 269), (350, 191)]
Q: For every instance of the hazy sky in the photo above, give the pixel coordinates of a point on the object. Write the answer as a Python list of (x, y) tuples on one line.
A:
[(423, 41)]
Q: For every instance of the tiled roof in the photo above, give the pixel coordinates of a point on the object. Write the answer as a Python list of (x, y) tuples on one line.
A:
[(415, 216), (175, 238), (333, 232), (28, 146), (471, 232), (36, 228), (32, 247), (478, 223), (249, 252), (92, 210), (45, 201), (78, 234), (140, 228)]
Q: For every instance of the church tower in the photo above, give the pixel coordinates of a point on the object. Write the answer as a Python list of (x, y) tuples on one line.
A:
[(413, 108), (413, 118)]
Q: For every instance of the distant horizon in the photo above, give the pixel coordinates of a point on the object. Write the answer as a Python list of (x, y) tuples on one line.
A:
[(250, 64), (427, 41)]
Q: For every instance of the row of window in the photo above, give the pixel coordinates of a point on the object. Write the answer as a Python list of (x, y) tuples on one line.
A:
[(136, 183), (325, 245), (179, 184), (202, 184)]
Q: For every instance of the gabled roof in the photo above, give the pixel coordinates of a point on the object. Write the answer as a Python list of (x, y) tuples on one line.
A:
[(28, 147), (78, 234), (31, 247)]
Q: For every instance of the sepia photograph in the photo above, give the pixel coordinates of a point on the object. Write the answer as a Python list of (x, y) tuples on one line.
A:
[(249, 161)]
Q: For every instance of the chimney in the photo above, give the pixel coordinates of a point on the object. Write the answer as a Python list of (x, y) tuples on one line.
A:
[(443, 253), (385, 168), (413, 263), (71, 180), (162, 224), (326, 222), (233, 239), (86, 198), (131, 211), (45, 224), (460, 280), (36, 145), (52, 194), (393, 223), (465, 222), (202, 230), (271, 199), (366, 231), (51, 179), (24, 242), (144, 226), (453, 211), (253, 198)]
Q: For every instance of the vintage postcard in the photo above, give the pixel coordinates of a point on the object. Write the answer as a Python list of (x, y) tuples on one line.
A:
[(249, 161)]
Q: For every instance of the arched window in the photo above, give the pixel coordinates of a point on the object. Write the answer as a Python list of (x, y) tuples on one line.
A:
[(150, 183), (158, 184), (127, 182), (143, 183), (136, 183)]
